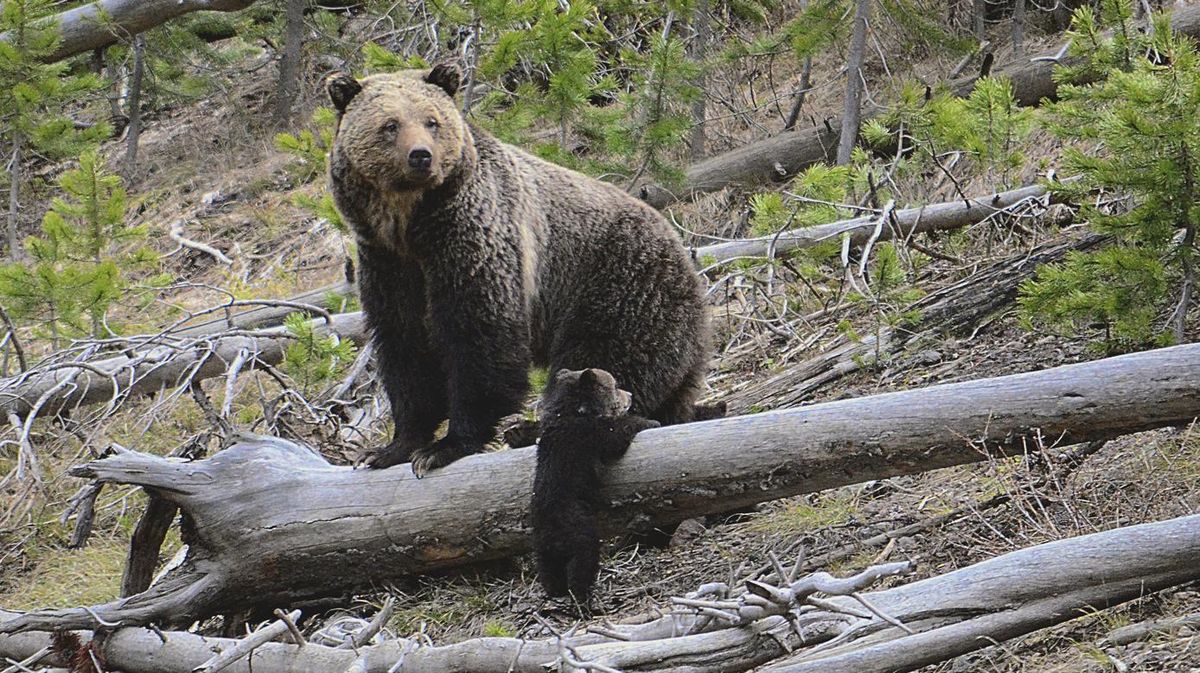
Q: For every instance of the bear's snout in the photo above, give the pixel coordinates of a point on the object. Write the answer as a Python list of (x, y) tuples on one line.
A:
[(420, 158)]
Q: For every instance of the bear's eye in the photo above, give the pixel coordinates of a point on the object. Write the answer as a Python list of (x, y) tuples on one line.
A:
[(391, 126), (431, 123)]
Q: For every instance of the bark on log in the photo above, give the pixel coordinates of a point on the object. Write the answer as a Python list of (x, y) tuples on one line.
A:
[(933, 217), (106, 22), (781, 157), (951, 614), (165, 362), (265, 315), (271, 523)]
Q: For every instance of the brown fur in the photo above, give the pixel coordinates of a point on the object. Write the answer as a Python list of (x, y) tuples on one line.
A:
[(493, 259)]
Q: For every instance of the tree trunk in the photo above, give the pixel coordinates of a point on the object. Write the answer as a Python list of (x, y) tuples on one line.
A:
[(289, 61), (102, 23), (781, 157), (134, 107), (1018, 27), (702, 27), (852, 112), (252, 542), (15, 251), (933, 217), (163, 362)]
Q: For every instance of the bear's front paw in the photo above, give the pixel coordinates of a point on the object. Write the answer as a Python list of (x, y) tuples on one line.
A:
[(395, 453), (442, 453)]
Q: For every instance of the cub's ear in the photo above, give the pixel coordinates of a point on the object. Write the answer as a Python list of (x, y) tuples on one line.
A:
[(342, 89), (589, 377), (447, 76)]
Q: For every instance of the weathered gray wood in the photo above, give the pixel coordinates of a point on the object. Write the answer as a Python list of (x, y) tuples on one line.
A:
[(1014, 594), (970, 608), (783, 156), (267, 315), (270, 519), (99, 24), (163, 363), (933, 217)]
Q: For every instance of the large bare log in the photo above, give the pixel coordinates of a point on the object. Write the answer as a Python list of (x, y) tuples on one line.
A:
[(783, 156), (99, 24), (945, 615), (164, 362), (933, 217), (269, 520)]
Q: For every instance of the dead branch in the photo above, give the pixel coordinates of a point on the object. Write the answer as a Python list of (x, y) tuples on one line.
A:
[(933, 217), (161, 362), (269, 519), (176, 234), (949, 310)]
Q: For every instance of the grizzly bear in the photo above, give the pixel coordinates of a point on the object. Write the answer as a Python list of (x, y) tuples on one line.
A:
[(584, 421), (478, 259)]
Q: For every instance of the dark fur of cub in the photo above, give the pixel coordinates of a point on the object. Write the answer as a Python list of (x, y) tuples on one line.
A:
[(584, 422)]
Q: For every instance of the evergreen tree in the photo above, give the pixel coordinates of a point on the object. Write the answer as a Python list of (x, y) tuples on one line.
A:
[(76, 274), (33, 95), (1139, 123)]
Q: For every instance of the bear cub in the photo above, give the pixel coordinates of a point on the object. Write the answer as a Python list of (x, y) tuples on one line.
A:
[(584, 421)]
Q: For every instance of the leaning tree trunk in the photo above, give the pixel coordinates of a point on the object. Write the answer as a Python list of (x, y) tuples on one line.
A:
[(901, 223), (271, 523), (781, 157), (99, 24)]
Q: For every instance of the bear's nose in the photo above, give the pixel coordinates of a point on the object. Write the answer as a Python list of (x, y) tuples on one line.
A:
[(420, 157)]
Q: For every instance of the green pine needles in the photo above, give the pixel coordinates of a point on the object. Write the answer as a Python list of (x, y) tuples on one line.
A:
[(1140, 141), (77, 267)]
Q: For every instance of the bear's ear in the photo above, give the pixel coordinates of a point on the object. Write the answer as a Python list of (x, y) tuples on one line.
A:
[(589, 378), (447, 76), (342, 89)]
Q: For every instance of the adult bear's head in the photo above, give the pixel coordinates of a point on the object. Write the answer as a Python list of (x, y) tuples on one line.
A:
[(400, 131)]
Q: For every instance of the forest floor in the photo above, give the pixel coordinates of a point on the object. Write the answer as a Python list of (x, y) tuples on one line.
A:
[(213, 166)]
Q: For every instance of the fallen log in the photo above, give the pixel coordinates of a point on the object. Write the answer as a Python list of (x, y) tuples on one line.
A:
[(271, 523), (943, 616), (266, 315), (163, 362), (782, 156), (933, 217), (100, 24)]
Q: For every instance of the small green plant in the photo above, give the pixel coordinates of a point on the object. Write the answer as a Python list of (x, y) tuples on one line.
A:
[(313, 360), (1142, 113), (887, 296), (988, 126), (77, 264), (309, 146), (321, 206)]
